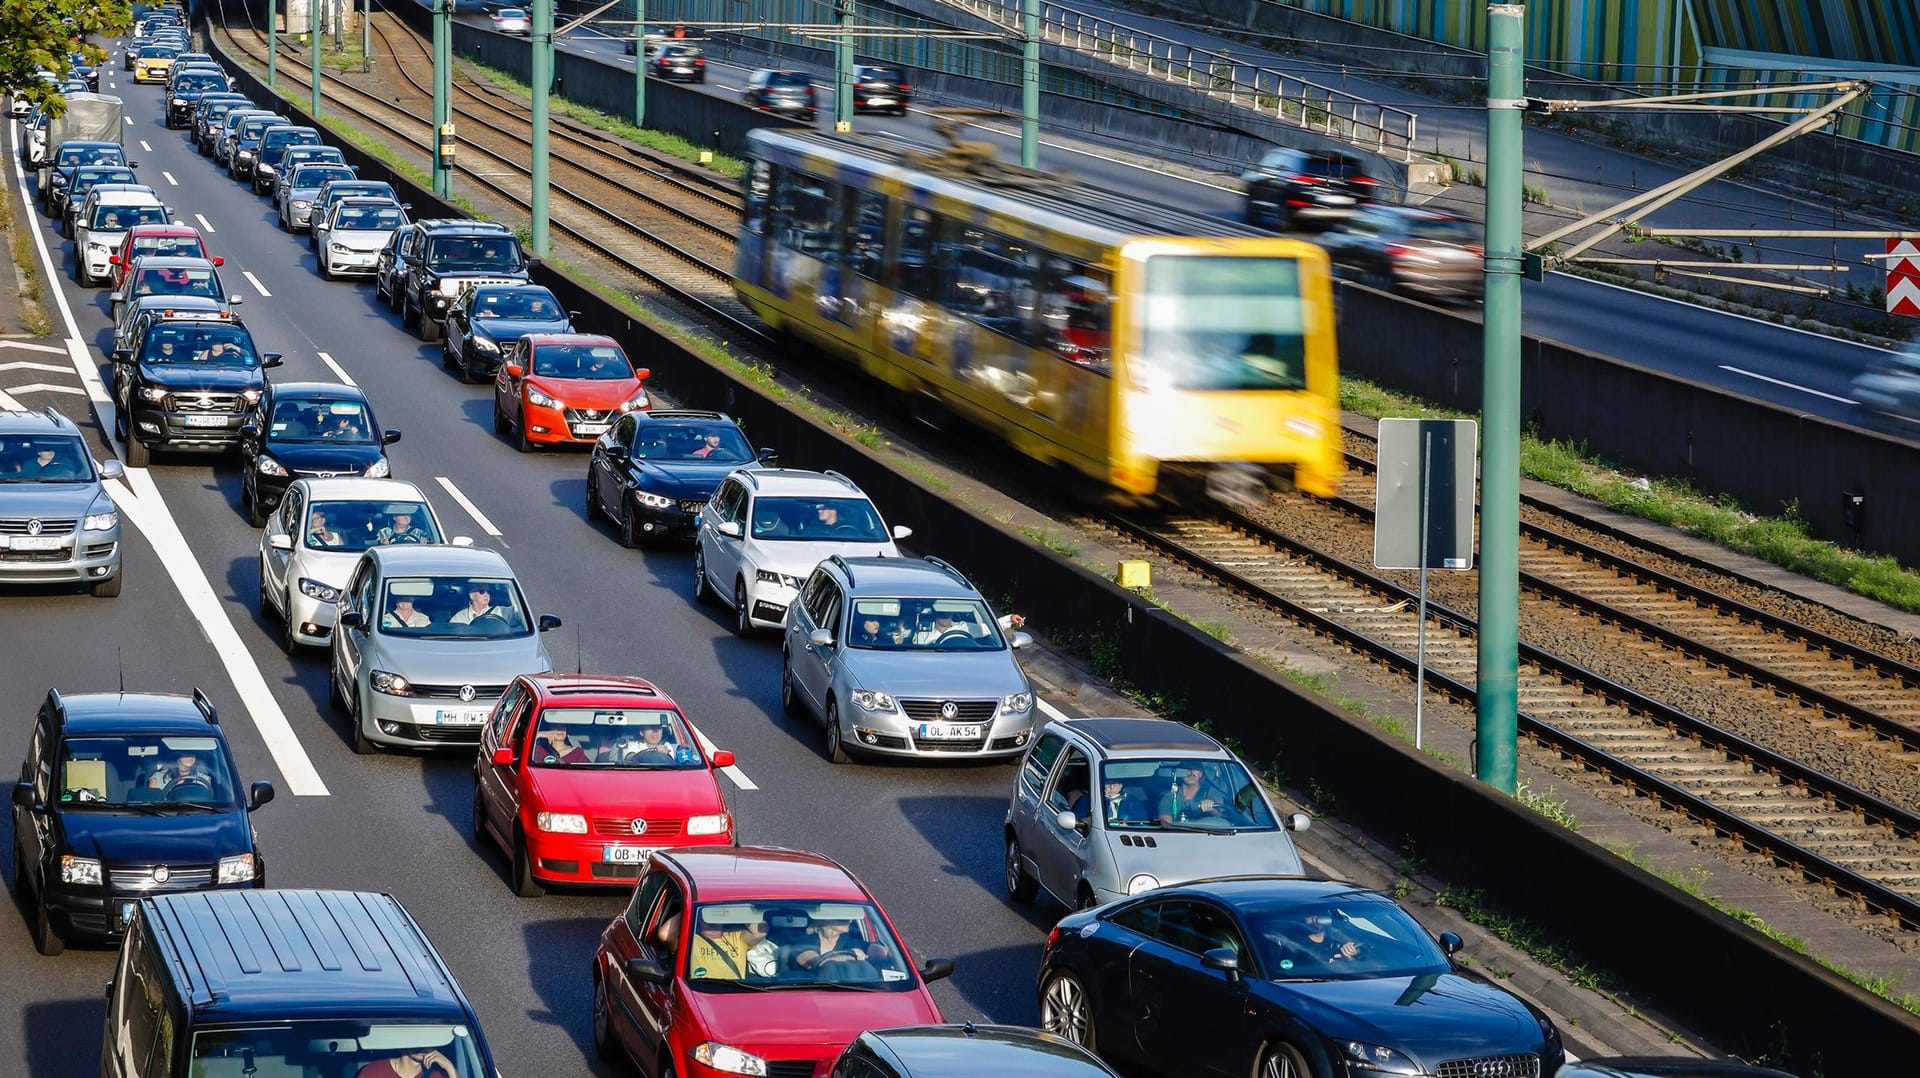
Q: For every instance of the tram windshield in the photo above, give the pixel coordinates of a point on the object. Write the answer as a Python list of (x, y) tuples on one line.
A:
[(1222, 323)]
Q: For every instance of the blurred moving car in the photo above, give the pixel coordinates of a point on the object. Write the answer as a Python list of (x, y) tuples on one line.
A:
[(511, 20), (679, 63), (785, 93), (1407, 249), (1891, 386), (1291, 188), (881, 89)]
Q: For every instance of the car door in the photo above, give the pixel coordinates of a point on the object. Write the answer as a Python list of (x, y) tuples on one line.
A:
[(1029, 792), (1173, 994), (277, 565), (814, 662), (611, 464), (723, 552), (519, 354), (624, 943), (1057, 851), (500, 783), (350, 644), (654, 1005)]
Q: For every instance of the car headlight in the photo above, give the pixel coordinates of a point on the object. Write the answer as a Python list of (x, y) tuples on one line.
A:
[(536, 397), (654, 501), (79, 869), (715, 823), (379, 469), (100, 522), (236, 869), (1375, 1057), (870, 700), (561, 823), (390, 684), (1142, 881), (302, 204), (1018, 703), (268, 466), (246, 155), (768, 576), (725, 1057), (251, 396), (339, 248), (99, 248), (327, 593), (153, 394), (635, 403), (485, 344)]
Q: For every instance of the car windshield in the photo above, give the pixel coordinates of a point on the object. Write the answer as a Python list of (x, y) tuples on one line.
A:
[(158, 52), (1222, 323), (354, 526), (187, 83), (107, 772), (368, 219), (1190, 794), (209, 343), (512, 13), (90, 155), (345, 1048), (594, 362), (176, 281), (361, 189), (85, 178), (770, 944), (882, 74), (711, 441), (473, 253), (534, 304), (614, 738), (923, 625), (1344, 168), (321, 419), (1299, 940), (314, 176), (789, 78), (845, 520), (453, 606), (1443, 229), (181, 246), (44, 458), (250, 129), (112, 218)]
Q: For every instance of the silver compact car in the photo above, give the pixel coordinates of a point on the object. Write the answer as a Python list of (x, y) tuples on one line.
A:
[(349, 238), (1106, 808), (426, 641), (57, 523), (901, 656), (315, 537)]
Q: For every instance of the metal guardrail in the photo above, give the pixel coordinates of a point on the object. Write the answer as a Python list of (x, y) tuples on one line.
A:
[(1263, 90)]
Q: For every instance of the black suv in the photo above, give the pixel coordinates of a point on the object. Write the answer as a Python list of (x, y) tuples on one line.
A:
[(426, 266), (1290, 189), (185, 92), (881, 89), (187, 384), (124, 795)]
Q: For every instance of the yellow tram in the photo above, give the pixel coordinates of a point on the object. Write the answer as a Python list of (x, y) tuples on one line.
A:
[(1088, 330)]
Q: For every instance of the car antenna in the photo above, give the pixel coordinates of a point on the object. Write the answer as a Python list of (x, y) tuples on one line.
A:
[(120, 662), (579, 659)]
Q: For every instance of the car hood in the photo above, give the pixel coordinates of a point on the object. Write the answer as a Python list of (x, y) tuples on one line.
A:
[(49, 499), (212, 379), (1178, 857), (464, 660), (327, 566), (360, 239), (626, 793), (302, 194), (596, 393), (683, 478), (188, 837), (799, 558), (796, 1017), (1432, 1017), (512, 329), (322, 457), (938, 674)]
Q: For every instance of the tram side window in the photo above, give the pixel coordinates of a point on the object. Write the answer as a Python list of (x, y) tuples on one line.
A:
[(913, 259), (1076, 314), (759, 190), (866, 237), (810, 225), (988, 278)]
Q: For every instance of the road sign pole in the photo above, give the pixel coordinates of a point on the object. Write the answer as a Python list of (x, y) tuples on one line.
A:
[(313, 53), (843, 66), (542, 88), (442, 92), (1497, 687), (1420, 648), (273, 45), (1030, 84), (639, 63)]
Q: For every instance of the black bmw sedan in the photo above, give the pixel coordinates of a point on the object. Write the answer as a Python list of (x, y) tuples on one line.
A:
[(313, 429), (651, 472), (1281, 977)]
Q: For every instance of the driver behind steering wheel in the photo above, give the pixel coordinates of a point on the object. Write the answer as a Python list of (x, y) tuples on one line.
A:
[(187, 770), (833, 946)]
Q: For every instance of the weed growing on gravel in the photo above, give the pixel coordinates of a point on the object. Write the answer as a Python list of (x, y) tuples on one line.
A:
[(671, 145), (33, 316), (1052, 540), (1519, 933), (1552, 808)]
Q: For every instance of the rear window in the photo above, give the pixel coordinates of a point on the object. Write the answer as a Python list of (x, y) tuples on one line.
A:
[(1448, 231), (883, 74), (1344, 168), (789, 78)]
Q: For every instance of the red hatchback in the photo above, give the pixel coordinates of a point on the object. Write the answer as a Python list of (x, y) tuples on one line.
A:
[(565, 389), (581, 778), (751, 961), (182, 240)]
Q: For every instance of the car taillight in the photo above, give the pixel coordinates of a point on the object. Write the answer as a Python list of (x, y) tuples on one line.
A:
[(699, 63), (1052, 935), (809, 93), (1367, 181), (905, 86), (1398, 250), (1304, 178)]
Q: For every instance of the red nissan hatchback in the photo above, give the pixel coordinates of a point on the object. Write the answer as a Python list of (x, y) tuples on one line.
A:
[(752, 961), (581, 778)]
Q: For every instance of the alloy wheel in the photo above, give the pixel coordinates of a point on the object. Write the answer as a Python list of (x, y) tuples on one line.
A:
[(1065, 1012)]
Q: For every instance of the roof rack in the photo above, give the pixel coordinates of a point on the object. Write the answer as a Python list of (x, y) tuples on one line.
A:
[(205, 703), (948, 568), (851, 485), (845, 568)]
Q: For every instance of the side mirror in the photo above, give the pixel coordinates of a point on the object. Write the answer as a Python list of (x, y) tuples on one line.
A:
[(23, 795), (722, 758), (390, 437), (117, 297), (576, 314), (901, 531), (406, 205), (219, 261), (1450, 943), (352, 619), (259, 794), (113, 469), (1224, 960), (769, 457), (461, 540), (647, 971), (1022, 640), (934, 969), (1299, 821), (1068, 820), (503, 757), (532, 262), (114, 260), (549, 622), (643, 374), (236, 299), (280, 541), (250, 430), (271, 359), (516, 371), (728, 528), (820, 638)]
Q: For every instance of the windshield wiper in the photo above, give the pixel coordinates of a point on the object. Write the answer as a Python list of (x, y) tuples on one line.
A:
[(827, 986), (1196, 828)]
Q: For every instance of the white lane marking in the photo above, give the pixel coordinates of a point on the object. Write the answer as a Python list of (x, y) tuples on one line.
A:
[(168, 176), (1049, 710), (144, 148), (338, 372), (255, 282), (738, 776), (129, 120), (204, 223), (8, 404), (42, 387), (465, 503), (149, 513), (33, 348), (1785, 384), (1724, 314)]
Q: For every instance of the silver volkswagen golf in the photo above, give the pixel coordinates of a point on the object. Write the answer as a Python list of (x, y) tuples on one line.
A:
[(1106, 808)]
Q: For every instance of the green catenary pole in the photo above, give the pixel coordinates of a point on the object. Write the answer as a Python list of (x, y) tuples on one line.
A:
[(313, 52), (639, 63), (366, 36), (273, 45), (542, 88), (442, 92), (843, 66), (1030, 83), (1497, 713)]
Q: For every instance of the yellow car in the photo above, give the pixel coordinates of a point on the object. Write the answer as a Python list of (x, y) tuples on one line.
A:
[(153, 63)]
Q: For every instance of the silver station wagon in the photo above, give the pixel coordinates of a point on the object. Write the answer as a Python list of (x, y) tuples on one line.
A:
[(1106, 808)]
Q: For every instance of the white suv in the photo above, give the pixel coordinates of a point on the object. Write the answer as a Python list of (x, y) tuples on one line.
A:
[(110, 210), (764, 530)]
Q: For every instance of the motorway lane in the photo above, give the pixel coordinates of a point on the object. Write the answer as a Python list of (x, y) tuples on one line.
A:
[(925, 839)]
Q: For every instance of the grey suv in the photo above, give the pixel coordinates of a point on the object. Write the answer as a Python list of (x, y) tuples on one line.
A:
[(1106, 808), (902, 656), (57, 524)]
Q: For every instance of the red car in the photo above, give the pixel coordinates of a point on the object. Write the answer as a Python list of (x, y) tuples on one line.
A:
[(582, 778), (565, 389), (140, 240), (751, 961)]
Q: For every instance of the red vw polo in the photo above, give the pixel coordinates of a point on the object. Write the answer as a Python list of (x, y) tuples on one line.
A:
[(751, 961), (581, 778)]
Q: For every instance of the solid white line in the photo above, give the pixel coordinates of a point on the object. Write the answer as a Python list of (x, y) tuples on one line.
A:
[(1725, 314), (149, 513), (170, 179), (336, 369), (255, 282), (1049, 710), (472, 509), (8, 404), (144, 148), (204, 223), (1786, 385)]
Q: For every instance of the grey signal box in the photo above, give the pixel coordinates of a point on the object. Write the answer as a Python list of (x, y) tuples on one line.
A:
[(1434, 457)]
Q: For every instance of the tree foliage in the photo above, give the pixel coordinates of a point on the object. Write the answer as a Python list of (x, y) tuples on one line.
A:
[(42, 35)]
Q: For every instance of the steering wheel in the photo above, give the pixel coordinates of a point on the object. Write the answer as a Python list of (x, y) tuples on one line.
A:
[(185, 787), (955, 633)]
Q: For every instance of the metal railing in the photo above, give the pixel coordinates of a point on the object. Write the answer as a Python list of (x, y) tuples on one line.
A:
[(1263, 90)]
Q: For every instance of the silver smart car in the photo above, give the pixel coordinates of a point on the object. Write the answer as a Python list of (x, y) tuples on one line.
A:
[(1106, 808)]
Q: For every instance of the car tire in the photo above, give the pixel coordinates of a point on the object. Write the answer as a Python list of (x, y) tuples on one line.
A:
[(362, 744), (520, 440), (593, 498), (326, 273), (110, 587), (1282, 1060), (836, 744), (1020, 886), (1066, 1010), (789, 693), (701, 592), (46, 939), (630, 528), (1083, 899), (467, 374), (266, 605), (80, 274), (256, 515), (288, 643), (138, 455), (500, 423), (524, 884), (742, 620), (603, 1044)]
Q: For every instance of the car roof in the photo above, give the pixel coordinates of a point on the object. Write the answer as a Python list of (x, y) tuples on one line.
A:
[(927, 578), (597, 689), (123, 192), (318, 391), (175, 262), (439, 560), (288, 954), (673, 414), (936, 1052), (354, 488), (1228, 889), (798, 482), (537, 339), (168, 229), (1141, 735), (745, 873), (110, 712), (21, 421), (456, 224)]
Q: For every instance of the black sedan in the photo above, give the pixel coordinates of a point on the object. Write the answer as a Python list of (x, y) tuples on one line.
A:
[(651, 472), (486, 320), (307, 429), (1281, 977)]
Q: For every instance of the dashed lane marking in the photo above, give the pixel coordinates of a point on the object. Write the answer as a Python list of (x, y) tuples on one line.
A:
[(168, 176), (338, 371), (144, 148), (1785, 384), (255, 282), (467, 504), (204, 223)]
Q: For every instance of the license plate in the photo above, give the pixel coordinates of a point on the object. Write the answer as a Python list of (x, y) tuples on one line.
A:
[(589, 430), (1337, 200), (626, 855), (38, 542), (461, 716), (930, 731), (205, 420), (879, 100)]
